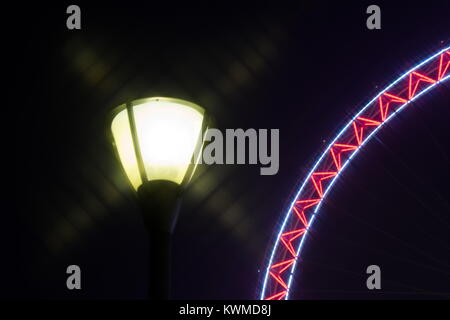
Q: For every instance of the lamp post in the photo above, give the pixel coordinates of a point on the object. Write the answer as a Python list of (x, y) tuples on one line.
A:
[(158, 141)]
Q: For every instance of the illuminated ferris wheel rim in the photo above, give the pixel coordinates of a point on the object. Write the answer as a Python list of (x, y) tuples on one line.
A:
[(274, 284)]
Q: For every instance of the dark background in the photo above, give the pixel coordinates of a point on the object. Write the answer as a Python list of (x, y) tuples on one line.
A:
[(304, 69)]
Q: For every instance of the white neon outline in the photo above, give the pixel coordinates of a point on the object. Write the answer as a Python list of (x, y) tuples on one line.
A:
[(287, 215)]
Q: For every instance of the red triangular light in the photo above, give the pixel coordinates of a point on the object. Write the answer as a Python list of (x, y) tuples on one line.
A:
[(318, 177), (444, 64), (301, 206), (277, 296), (385, 100), (290, 236), (414, 79), (337, 149), (359, 124), (278, 269)]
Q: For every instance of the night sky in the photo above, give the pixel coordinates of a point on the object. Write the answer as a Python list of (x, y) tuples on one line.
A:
[(305, 69)]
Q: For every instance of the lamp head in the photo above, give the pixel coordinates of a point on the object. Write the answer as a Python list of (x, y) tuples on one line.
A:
[(158, 139)]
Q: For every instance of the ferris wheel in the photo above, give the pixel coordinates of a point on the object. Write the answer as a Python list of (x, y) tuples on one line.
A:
[(285, 252)]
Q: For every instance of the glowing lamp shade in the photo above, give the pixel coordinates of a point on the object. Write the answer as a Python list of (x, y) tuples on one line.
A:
[(157, 138)]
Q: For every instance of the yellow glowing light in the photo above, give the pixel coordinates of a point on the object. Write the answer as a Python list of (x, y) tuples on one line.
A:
[(167, 132)]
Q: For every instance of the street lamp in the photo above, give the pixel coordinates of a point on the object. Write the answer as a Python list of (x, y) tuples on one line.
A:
[(159, 141)]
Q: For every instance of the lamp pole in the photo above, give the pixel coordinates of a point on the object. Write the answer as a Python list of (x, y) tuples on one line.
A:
[(158, 141), (160, 202)]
